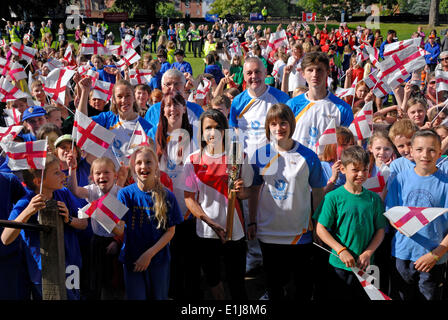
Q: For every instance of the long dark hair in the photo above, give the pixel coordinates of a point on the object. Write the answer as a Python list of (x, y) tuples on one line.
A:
[(162, 128), (219, 118)]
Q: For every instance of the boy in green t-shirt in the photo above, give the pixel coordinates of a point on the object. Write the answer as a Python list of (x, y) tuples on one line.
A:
[(351, 222)]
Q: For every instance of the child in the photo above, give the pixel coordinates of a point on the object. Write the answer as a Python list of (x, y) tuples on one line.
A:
[(54, 115), (33, 118), (25, 211), (50, 131), (420, 260), (206, 197), (355, 219), (104, 245), (222, 103), (416, 111), (382, 150), (236, 70), (330, 158), (150, 224), (400, 134), (286, 175)]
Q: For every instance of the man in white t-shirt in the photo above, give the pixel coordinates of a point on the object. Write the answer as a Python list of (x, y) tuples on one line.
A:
[(247, 115)]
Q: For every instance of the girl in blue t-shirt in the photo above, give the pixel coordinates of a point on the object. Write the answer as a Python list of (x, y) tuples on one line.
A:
[(25, 211), (330, 158), (150, 224)]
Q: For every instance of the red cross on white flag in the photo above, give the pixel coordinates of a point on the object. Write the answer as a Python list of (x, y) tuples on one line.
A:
[(55, 84), (130, 58), (4, 66), (9, 133), (373, 54), (26, 155), (107, 211), (52, 64), (409, 220), (23, 52), (399, 65), (90, 46), (103, 90), (441, 80), (276, 40), (327, 137), (129, 42), (361, 124), (235, 48), (16, 72), (116, 50), (68, 56), (10, 92), (341, 93), (366, 282), (203, 88), (82, 70), (138, 138), (394, 47), (140, 76), (90, 136), (378, 182), (93, 75), (380, 88), (361, 53)]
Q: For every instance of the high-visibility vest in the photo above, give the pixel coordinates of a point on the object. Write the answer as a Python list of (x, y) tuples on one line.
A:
[(195, 35), (14, 34), (182, 35)]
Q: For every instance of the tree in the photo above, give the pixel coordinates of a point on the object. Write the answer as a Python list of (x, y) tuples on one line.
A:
[(245, 7), (443, 7), (434, 13), (167, 10)]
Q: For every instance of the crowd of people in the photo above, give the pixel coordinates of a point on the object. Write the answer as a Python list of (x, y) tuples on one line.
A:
[(286, 192)]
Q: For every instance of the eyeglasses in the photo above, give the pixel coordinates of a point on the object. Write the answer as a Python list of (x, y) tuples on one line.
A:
[(432, 82), (443, 59)]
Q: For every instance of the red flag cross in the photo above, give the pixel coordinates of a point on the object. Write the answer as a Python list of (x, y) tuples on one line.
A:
[(6, 67), (8, 94), (95, 45), (128, 60), (87, 134), (105, 91), (378, 84), (356, 122), (413, 212), (12, 72), (29, 154), (21, 51), (139, 75), (98, 204), (7, 132), (441, 80), (56, 91), (129, 44), (381, 183), (400, 64)]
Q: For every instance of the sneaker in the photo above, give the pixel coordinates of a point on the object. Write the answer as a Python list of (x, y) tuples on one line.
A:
[(265, 296)]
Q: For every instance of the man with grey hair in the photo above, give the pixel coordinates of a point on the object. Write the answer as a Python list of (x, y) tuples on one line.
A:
[(248, 114), (173, 80)]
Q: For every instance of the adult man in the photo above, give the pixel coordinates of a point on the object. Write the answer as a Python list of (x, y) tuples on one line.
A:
[(316, 108), (248, 115)]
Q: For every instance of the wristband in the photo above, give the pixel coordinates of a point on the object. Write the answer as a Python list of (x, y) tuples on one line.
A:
[(74, 168), (436, 257), (252, 224), (339, 252), (70, 219)]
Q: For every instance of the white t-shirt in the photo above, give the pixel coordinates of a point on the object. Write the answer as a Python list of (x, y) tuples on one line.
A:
[(173, 164), (94, 194), (295, 77), (277, 71), (207, 177), (284, 204)]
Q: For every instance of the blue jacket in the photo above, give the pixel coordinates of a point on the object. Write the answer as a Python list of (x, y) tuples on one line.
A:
[(434, 52), (385, 42)]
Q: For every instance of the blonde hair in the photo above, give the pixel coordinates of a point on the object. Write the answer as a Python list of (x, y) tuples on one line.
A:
[(127, 84), (103, 160), (158, 193)]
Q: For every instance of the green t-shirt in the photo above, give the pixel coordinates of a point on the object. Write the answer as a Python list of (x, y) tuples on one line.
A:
[(352, 219), (237, 72)]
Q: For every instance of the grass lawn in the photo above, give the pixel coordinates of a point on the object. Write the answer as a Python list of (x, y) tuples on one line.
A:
[(404, 31)]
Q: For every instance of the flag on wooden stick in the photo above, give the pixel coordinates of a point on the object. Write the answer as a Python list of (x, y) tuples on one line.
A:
[(26, 155)]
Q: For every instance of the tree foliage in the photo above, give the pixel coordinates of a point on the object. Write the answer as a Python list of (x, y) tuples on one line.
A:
[(245, 7), (167, 9)]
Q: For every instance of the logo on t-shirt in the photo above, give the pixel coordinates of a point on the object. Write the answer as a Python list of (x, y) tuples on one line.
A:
[(171, 165), (255, 125), (280, 184), (280, 191)]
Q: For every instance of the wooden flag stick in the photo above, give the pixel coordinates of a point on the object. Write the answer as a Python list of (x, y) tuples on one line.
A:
[(233, 176)]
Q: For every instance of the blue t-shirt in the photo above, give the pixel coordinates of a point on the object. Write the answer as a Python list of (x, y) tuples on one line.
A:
[(103, 75), (141, 231), (12, 191), (410, 189), (109, 119), (27, 137), (156, 81), (31, 239), (215, 71), (183, 67), (326, 167), (403, 163), (165, 66)]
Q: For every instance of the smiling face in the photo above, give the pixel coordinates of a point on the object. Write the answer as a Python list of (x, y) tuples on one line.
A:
[(254, 75), (145, 167), (382, 150), (426, 152), (355, 174), (173, 112), (142, 97), (280, 130), (104, 176), (212, 133), (63, 149), (124, 100), (403, 145), (417, 114), (53, 178)]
